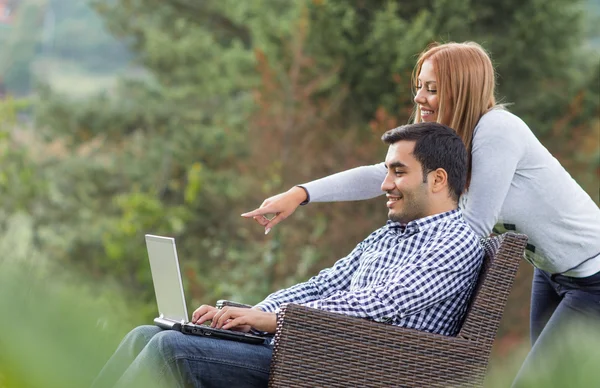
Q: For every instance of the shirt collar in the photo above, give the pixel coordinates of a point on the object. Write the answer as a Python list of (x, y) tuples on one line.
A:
[(425, 222)]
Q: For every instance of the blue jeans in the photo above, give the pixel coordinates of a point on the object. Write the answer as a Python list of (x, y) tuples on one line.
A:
[(557, 300), (151, 357)]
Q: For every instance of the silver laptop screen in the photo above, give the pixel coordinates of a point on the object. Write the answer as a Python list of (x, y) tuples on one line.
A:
[(166, 278)]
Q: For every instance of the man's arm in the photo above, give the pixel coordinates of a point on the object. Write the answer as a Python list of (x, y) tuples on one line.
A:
[(444, 268), (262, 317), (327, 282)]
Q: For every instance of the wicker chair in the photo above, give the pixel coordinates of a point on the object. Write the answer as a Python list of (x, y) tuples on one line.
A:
[(315, 348)]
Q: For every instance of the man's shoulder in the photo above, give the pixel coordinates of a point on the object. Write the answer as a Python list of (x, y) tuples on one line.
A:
[(454, 229), (378, 232)]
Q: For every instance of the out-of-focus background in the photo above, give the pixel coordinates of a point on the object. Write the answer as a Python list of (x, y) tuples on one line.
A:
[(125, 117)]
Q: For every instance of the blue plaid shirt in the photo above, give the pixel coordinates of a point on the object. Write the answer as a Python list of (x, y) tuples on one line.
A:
[(418, 275)]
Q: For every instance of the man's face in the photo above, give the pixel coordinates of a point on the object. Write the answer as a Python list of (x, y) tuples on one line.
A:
[(407, 194)]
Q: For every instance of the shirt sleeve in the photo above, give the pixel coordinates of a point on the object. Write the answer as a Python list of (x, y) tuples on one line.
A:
[(327, 282), (350, 185), (444, 268), (496, 152)]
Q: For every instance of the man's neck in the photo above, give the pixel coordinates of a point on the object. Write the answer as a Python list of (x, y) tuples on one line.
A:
[(442, 208)]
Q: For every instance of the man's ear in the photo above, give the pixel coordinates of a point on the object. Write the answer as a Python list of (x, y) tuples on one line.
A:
[(439, 180)]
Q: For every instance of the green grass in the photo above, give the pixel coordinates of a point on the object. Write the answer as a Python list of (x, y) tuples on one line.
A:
[(573, 361), (56, 330)]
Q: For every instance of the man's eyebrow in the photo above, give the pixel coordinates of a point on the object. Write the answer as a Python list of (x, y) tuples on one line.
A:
[(395, 164)]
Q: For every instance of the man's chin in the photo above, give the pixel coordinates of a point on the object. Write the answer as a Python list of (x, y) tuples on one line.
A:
[(395, 217)]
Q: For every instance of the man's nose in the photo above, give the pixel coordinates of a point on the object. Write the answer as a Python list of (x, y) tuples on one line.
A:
[(387, 184)]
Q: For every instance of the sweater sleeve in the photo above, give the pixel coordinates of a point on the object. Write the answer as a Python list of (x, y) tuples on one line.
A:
[(497, 149), (350, 185)]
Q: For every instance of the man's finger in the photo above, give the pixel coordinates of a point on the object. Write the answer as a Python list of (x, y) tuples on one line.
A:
[(239, 321), (203, 314), (221, 318), (199, 312), (206, 317)]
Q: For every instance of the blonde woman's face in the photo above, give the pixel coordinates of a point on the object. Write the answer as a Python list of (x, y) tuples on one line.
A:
[(427, 97)]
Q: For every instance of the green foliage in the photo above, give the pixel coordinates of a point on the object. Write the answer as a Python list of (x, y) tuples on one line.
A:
[(57, 328), (570, 361), (19, 176)]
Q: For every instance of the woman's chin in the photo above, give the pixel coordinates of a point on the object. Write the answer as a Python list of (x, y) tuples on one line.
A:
[(428, 118)]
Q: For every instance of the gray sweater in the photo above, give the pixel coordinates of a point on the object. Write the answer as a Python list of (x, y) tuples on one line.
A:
[(516, 184)]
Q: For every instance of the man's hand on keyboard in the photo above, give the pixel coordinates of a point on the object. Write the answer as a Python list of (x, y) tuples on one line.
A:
[(203, 313), (232, 317)]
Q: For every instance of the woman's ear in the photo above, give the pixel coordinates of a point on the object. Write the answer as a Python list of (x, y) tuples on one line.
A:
[(439, 181)]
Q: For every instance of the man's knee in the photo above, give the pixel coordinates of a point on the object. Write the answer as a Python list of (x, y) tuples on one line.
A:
[(167, 343), (141, 335)]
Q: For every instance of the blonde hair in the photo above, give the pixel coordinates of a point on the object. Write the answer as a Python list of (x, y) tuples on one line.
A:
[(465, 86)]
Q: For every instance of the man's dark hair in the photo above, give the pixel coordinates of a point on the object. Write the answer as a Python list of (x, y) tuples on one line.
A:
[(436, 146)]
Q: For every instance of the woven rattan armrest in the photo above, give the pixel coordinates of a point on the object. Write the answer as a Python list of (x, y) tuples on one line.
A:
[(316, 348)]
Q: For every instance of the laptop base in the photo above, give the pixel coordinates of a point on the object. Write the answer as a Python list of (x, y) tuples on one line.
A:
[(206, 331), (167, 324)]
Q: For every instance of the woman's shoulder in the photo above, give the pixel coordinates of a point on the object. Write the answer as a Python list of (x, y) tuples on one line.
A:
[(500, 122), (500, 116)]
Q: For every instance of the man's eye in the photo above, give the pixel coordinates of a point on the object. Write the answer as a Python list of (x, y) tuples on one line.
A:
[(398, 172)]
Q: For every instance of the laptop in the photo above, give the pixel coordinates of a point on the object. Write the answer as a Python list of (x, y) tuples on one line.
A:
[(170, 299)]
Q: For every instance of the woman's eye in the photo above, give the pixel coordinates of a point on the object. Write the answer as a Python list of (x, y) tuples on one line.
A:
[(432, 91)]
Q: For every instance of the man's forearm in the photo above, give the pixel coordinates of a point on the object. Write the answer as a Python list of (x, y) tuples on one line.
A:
[(328, 281), (300, 293)]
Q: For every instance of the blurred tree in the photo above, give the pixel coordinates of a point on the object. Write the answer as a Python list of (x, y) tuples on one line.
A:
[(19, 46), (56, 36), (74, 32)]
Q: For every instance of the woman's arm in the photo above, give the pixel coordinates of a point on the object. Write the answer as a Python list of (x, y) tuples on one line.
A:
[(350, 185), (498, 147)]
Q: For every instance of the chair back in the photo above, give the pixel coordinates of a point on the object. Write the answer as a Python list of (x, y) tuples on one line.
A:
[(503, 254)]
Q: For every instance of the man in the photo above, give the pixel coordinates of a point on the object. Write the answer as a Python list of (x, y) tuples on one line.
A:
[(417, 271)]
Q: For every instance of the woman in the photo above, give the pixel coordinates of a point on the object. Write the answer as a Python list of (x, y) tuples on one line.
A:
[(513, 182)]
